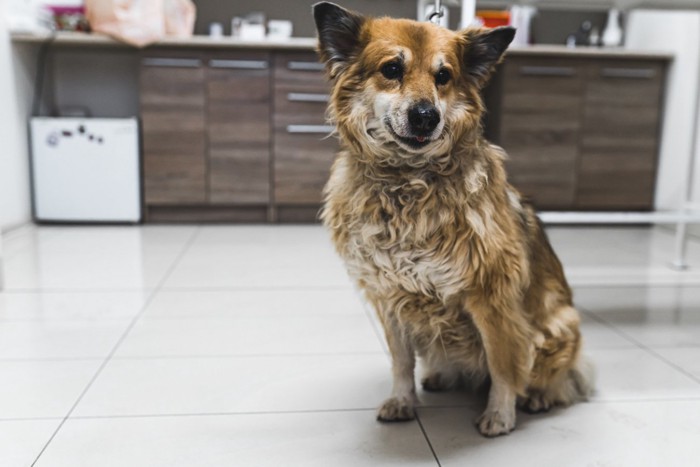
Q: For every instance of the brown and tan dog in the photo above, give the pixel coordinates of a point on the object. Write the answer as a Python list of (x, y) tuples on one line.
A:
[(459, 270)]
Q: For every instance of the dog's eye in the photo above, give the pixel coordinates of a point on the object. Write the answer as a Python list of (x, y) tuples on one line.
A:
[(392, 70), (442, 77)]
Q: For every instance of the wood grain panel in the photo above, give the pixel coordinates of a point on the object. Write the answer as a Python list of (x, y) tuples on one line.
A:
[(206, 213), (540, 128), (173, 122), (619, 147), (302, 78), (238, 115), (302, 167)]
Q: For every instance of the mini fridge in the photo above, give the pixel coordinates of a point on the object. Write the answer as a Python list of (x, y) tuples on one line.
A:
[(86, 170)]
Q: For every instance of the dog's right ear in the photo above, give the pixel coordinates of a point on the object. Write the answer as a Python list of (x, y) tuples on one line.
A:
[(338, 35)]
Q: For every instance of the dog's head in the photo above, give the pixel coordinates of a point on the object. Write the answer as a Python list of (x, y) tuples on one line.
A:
[(402, 87)]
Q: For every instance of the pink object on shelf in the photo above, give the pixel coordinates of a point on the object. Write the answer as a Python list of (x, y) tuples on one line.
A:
[(179, 18), (136, 22)]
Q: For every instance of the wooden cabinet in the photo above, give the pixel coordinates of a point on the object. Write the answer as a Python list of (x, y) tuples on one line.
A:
[(238, 128), (303, 146), (241, 135), (540, 127), (174, 126), (583, 133), (234, 136), (206, 132), (619, 144)]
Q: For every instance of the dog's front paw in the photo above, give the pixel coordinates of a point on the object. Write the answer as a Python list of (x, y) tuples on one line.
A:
[(496, 422), (396, 409)]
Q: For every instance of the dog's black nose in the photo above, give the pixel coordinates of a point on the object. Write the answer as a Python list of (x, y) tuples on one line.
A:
[(423, 118)]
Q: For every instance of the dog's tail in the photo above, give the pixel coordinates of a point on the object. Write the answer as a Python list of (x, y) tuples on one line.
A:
[(579, 383)]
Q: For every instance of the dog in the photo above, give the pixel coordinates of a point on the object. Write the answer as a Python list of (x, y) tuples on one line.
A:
[(457, 266)]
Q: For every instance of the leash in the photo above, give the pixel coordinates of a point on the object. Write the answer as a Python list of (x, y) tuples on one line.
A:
[(436, 15)]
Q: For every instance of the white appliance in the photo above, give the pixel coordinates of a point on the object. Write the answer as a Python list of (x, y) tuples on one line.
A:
[(674, 31), (86, 169)]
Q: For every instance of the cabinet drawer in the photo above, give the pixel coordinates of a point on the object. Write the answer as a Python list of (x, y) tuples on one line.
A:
[(301, 90), (301, 68), (295, 107)]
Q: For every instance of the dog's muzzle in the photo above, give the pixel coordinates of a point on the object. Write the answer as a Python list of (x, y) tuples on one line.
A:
[(423, 118)]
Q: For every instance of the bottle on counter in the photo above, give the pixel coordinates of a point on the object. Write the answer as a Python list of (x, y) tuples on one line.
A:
[(612, 36)]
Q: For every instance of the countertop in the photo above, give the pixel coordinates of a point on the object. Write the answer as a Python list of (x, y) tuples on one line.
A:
[(309, 43)]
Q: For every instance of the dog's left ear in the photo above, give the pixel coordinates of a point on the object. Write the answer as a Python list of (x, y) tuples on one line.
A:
[(483, 49), (338, 35)]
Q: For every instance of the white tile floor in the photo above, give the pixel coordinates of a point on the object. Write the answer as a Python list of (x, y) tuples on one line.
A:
[(247, 346)]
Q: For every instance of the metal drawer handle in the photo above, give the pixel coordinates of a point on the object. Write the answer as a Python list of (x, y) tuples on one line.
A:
[(547, 71), (305, 66), (311, 129), (632, 73), (239, 64), (172, 62), (307, 97)]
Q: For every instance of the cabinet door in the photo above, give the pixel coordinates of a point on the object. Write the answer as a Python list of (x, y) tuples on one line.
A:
[(540, 126), (238, 117), (172, 115), (303, 149), (619, 147)]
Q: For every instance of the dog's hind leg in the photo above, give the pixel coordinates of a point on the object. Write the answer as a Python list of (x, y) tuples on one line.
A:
[(399, 407)]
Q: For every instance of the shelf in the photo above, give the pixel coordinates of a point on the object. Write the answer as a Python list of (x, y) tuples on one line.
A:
[(309, 43)]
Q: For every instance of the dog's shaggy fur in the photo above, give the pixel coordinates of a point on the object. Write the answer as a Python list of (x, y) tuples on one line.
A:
[(459, 270)]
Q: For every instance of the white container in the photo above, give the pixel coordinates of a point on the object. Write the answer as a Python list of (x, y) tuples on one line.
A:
[(279, 29), (86, 169), (252, 32), (612, 36), (216, 30), (521, 19)]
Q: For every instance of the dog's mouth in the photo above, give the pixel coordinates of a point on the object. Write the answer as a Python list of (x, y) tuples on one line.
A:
[(413, 142)]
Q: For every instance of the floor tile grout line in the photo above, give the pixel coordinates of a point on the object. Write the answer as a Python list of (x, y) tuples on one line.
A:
[(70, 290), (427, 438), (254, 288), (670, 363), (313, 411), (183, 289), (260, 356), (133, 322), (608, 325), (223, 414), (205, 356), (29, 419), (649, 350)]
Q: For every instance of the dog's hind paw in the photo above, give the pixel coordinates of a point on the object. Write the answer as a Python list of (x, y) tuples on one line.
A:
[(434, 383), (396, 409), (496, 423), (535, 403)]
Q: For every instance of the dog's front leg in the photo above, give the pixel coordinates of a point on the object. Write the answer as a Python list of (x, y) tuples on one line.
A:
[(399, 407), (509, 355)]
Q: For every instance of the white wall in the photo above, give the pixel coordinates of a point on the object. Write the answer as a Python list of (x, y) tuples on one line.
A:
[(15, 95)]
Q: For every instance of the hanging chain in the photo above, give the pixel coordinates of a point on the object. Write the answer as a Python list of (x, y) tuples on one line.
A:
[(439, 12)]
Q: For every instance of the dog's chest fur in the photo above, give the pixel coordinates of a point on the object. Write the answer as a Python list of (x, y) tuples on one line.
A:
[(405, 231)]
